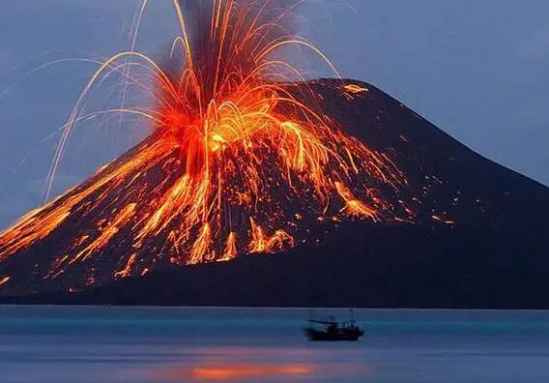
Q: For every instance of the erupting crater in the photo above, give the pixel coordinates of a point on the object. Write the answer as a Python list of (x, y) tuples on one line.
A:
[(242, 159)]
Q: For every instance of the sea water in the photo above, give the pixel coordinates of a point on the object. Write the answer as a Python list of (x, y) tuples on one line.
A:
[(146, 344)]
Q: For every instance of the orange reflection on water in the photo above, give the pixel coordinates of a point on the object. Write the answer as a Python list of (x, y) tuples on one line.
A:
[(239, 372), (247, 371)]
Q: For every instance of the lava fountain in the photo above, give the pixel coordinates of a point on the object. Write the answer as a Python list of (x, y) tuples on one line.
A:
[(241, 158)]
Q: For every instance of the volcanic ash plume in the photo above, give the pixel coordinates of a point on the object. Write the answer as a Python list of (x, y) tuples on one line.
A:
[(241, 159)]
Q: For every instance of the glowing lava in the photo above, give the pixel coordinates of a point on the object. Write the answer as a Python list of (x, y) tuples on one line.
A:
[(241, 160)]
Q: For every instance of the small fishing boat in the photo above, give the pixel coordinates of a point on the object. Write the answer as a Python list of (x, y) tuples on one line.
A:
[(332, 330)]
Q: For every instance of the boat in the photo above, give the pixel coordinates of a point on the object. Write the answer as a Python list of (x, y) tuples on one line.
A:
[(333, 330)]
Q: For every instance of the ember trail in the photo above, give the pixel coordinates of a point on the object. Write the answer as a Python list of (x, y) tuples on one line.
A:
[(241, 160)]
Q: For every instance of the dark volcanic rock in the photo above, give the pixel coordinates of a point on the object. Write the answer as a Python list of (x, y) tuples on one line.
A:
[(400, 266)]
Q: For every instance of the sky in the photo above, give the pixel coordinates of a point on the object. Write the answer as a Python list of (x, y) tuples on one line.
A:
[(476, 69)]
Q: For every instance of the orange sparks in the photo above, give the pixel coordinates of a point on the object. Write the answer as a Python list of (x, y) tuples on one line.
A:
[(262, 243), (231, 250), (354, 206), (126, 271), (201, 251), (4, 280), (107, 233), (355, 89), (28, 230), (443, 220)]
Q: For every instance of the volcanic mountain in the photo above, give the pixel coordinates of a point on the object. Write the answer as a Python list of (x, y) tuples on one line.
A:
[(438, 226)]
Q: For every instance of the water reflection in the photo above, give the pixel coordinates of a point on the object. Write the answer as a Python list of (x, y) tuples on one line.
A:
[(226, 372), (302, 361), (248, 371)]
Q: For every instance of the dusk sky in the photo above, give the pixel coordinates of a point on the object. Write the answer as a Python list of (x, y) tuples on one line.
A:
[(477, 69)]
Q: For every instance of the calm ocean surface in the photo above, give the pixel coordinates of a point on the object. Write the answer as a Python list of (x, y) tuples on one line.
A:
[(102, 344)]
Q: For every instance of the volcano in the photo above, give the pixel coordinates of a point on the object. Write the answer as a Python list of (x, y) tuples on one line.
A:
[(248, 161), (458, 231)]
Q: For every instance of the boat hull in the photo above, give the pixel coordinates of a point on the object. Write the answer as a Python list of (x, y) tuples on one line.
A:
[(339, 336)]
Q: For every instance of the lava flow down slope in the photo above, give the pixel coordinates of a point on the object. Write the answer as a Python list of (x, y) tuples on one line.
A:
[(247, 158)]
